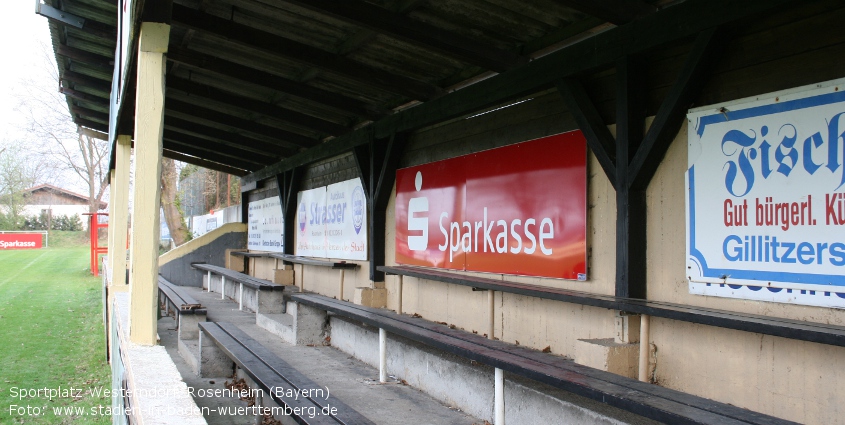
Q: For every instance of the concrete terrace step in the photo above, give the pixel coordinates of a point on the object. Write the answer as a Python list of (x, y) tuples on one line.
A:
[(351, 381)]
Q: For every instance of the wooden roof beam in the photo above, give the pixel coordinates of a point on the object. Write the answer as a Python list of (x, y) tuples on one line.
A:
[(401, 27), (240, 72), (294, 117), (89, 113), (92, 59), (617, 12), (210, 155), (85, 97), (377, 78), (205, 145), (104, 128), (211, 165), (677, 22), (294, 140), (85, 80), (225, 137)]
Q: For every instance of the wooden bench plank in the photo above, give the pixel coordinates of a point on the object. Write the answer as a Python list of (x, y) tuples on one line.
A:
[(560, 362), (185, 303), (250, 254), (263, 375), (602, 386), (295, 378), (786, 328), (314, 262), (247, 280)]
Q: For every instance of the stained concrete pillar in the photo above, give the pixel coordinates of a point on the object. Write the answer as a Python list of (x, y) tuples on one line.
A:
[(149, 125)]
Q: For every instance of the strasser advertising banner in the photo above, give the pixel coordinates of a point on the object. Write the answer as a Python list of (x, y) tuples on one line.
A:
[(766, 197), (311, 236), (346, 224), (332, 221), (266, 225), (519, 209)]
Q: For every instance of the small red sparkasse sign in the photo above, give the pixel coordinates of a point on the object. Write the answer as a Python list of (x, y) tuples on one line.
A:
[(520, 209), (20, 240)]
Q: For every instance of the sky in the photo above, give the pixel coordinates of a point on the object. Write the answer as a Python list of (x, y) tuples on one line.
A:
[(22, 35)]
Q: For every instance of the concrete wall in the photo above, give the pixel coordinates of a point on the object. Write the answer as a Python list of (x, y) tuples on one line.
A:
[(175, 265), (467, 385)]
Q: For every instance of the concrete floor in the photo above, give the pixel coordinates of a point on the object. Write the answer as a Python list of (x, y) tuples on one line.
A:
[(350, 380)]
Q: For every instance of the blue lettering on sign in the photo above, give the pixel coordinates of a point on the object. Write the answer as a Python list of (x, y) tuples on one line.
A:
[(327, 214), (765, 249), (747, 159)]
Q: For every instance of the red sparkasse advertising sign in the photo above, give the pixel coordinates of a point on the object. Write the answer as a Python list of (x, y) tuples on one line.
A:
[(20, 240), (520, 209)]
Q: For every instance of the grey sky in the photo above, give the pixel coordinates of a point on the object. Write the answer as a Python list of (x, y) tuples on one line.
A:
[(22, 33)]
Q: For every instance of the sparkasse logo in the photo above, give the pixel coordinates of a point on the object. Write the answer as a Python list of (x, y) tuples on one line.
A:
[(418, 223)]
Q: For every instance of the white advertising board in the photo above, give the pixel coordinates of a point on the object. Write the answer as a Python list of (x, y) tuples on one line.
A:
[(766, 197), (331, 221), (311, 236), (266, 225), (346, 223), (202, 224)]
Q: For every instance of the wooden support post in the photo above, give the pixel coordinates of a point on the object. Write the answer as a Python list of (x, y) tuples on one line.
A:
[(111, 229), (118, 211), (149, 125), (288, 183), (631, 160), (630, 203), (377, 163)]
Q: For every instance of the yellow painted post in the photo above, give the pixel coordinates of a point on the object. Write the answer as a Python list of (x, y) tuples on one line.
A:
[(119, 210), (110, 254), (149, 125)]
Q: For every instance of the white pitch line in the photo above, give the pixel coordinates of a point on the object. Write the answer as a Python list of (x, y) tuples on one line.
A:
[(22, 269)]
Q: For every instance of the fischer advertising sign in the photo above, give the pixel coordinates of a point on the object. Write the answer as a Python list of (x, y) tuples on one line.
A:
[(766, 197), (331, 221), (266, 225), (519, 209), (20, 240)]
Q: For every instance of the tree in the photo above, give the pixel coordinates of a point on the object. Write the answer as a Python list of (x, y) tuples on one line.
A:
[(18, 171), (61, 142), (173, 214)]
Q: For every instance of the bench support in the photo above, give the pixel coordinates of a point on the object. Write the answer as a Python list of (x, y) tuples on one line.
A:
[(644, 348), (222, 287), (241, 297), (303, 327), (213, 361), (382, 355), (189, 325), (499, 398)]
